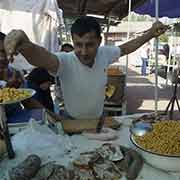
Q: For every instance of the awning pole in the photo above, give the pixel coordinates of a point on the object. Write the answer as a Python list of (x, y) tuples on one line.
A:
[(127, 57), (156, 60), (107, 31), (169, 57), (128, 34), (175, 51)]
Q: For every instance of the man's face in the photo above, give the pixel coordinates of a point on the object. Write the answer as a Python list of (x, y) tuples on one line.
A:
[(3, 60), (85, 47)]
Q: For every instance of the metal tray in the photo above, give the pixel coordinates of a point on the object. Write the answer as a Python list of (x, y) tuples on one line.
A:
[(30, 91)]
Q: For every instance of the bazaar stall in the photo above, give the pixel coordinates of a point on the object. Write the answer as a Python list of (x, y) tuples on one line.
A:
[(70, 155), (105, 148)]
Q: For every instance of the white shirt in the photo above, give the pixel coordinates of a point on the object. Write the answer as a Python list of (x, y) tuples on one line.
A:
[(84, 87), (144, 52)]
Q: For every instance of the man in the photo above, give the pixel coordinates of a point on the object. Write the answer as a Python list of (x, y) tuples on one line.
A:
[(83, 71), (31, 107), (59, 102), (144, 54)]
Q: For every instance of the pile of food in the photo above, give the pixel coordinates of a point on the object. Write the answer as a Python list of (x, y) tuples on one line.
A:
[(109, 162), (163, 139), (12, 94)]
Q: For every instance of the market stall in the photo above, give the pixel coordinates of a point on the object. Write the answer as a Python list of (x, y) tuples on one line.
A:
[(39, 145)]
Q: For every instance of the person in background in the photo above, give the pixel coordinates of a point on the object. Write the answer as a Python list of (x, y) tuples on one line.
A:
[(40, 80), (82, 71), (166, 51), (144, 54)]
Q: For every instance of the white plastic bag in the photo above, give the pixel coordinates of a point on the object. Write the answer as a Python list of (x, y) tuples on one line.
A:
[(40, 140)]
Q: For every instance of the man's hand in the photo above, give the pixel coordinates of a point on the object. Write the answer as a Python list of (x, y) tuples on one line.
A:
[(158, 28), (13, 42)]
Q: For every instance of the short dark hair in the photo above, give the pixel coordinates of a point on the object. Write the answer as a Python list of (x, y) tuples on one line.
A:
[(2, 36), (86, 24)]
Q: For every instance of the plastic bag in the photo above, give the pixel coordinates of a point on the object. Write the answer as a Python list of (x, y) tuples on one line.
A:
[(40, 140)]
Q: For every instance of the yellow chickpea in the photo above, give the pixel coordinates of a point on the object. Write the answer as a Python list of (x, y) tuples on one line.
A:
[(12, 94), (164, 138)]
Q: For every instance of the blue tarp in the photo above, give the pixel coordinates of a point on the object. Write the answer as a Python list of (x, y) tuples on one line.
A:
[(167, 8)]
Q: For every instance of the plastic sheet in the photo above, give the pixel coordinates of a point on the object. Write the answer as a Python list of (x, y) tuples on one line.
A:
[(40, 140)]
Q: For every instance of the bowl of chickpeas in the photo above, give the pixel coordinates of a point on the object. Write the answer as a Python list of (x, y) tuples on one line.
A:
[(161, 146)]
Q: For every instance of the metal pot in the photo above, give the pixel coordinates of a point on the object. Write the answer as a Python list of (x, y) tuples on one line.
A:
[(164, 162)]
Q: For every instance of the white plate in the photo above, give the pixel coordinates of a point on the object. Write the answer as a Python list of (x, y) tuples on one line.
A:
[(30, 91)]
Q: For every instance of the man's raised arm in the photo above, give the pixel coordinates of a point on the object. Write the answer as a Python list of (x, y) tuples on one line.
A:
[(156, 30), (17, 42)]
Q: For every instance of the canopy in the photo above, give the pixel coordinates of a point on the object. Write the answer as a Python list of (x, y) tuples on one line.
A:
[(167, 8), (38, 18), (112, 8)]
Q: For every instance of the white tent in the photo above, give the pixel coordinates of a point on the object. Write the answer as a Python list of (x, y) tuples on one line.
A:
[(38, 18)]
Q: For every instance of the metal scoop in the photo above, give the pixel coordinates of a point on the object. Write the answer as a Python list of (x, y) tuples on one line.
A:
[(140, 128)]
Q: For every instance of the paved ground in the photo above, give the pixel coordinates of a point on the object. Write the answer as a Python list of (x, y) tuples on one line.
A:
[(140, 92)]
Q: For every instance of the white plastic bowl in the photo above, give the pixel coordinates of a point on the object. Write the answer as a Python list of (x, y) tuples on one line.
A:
[(164, 162)]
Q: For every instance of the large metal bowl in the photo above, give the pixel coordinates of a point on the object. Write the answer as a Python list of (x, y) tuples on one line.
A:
[(164, 162)]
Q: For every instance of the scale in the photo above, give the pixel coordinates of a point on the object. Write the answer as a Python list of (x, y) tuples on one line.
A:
[(3, 121)]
